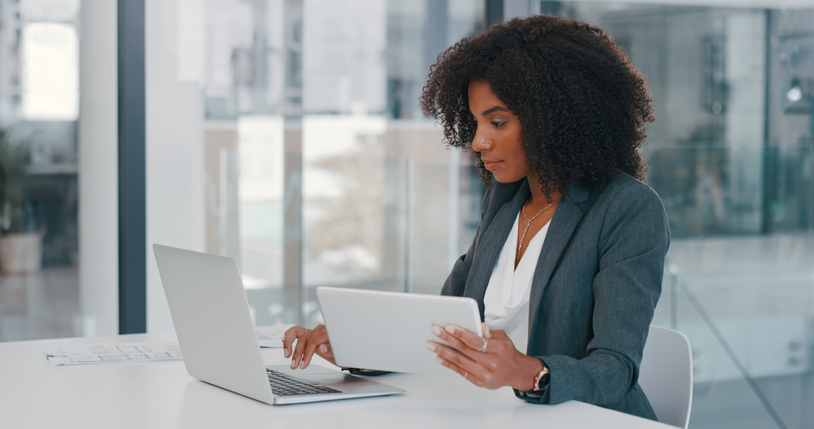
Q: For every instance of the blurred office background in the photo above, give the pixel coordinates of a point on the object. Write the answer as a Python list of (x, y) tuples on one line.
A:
[(287, 135)]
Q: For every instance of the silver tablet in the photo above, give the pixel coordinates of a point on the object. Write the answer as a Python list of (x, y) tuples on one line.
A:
[(389, 331)]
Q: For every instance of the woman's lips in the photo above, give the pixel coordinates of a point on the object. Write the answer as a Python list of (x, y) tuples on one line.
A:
[(490, 164)]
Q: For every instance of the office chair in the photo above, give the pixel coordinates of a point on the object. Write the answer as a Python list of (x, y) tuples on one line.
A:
[(665, 375)]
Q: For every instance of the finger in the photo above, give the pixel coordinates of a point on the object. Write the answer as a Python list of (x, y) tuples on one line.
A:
[(459, 359), (451, 340), (487, 333), (481, 364), (459, 346), (326, 352), (467, 337), (499, 334), (468, 375), (460, 339), (288, 338), (314, 341), (302, 342)]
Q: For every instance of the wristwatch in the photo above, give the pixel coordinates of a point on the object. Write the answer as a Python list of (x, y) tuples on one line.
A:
[(541, 380)]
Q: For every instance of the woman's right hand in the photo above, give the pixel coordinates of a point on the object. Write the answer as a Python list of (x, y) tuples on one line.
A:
[(309, 341)]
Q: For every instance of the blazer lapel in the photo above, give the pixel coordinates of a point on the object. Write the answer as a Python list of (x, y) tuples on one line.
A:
[(563, 223), (490, 245)]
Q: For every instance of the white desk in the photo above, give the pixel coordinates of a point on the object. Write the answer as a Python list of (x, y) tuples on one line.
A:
[(34, 394)]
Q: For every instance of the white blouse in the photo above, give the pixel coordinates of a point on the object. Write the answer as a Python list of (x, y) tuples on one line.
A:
[(506, 300)]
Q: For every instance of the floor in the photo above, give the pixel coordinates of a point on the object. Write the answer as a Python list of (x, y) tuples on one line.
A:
[(746, 303)]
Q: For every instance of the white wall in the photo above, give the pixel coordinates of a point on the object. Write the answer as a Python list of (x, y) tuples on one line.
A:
[(175, 140), (98, 167)]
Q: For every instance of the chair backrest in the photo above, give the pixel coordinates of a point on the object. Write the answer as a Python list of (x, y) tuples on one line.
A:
[(666, 375)]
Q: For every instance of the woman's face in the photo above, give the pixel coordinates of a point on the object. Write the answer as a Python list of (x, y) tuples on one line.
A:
[(498, 137)]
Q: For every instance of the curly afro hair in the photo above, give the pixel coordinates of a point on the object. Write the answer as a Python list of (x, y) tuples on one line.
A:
[(582, 105)]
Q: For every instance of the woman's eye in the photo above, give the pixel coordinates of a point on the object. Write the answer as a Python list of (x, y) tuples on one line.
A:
[(498, 124)]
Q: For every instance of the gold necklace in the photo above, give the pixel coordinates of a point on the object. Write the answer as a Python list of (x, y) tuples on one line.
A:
[(522, 239)]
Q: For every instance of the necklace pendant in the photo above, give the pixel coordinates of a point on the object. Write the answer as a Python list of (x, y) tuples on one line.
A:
[(528, 224)]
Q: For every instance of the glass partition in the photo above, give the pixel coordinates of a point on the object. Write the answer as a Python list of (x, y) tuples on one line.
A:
[(305, 156), (743, 298), (57, 148)]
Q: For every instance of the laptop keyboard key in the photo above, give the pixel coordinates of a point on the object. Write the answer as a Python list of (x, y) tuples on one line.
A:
[(283, 385)]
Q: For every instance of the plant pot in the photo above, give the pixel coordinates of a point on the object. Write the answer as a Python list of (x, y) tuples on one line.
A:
[(21, 253)]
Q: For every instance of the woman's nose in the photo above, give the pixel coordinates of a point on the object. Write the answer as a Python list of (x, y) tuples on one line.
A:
[(481, 144)]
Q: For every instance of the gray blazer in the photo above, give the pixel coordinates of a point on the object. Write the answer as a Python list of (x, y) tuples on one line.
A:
[(594, 291)]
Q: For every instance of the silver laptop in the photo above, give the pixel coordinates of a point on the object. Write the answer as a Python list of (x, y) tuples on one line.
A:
[(217, 338)]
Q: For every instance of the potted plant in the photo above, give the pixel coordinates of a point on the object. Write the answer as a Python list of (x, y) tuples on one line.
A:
[(20, 246)]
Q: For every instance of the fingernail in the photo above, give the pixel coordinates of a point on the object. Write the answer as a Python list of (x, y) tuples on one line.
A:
[(323, 348), (293, 364), (302, 365), (287, 353), (431, 347), (439, 360), (450, 329), (436, 330)]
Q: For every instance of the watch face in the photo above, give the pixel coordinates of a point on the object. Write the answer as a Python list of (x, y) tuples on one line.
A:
[(542, 381)]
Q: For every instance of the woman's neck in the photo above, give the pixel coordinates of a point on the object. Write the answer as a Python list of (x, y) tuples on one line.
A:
[(538, 197)]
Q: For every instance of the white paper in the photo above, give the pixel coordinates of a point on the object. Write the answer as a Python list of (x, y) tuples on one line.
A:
[(89, 354), (99, 353), (271, 336)]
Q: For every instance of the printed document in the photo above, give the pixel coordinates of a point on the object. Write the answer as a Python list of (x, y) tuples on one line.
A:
[(98, 353)]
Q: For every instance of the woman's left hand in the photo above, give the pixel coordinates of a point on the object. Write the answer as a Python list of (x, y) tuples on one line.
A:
[(498, 364)]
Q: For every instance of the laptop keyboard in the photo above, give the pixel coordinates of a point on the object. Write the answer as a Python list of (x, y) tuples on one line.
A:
[(283, 385)]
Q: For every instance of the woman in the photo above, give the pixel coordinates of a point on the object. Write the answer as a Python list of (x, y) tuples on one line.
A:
[(567, 261)]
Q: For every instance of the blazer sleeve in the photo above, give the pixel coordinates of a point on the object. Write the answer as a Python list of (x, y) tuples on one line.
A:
[(633, 242)]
